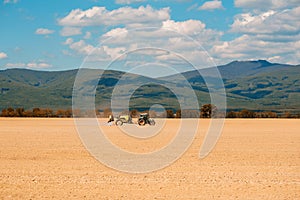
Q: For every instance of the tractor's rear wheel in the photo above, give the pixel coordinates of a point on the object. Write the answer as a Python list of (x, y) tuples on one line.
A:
[(119, 123), (141, 122), (151, 122)]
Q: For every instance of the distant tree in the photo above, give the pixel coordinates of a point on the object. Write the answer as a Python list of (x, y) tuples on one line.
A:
[(207, 110), (162, 114), (190, 114), (272, 115), (266, 114), (47, 112), (20, 112), (77, 113), (28, 113), (68, 113), (246, 114), (170, 114), (178, 114), (134, 113), (4, 113), (60, 113), (152, 114), (287, 115), (125, 112), (107, 112), (231, 114), (98, 113), (10, 112), (36, 112)]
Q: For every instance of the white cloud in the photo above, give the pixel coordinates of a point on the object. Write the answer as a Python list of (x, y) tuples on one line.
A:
[(270, 29), (97, 16), (10, 1), (266, 4), (69, 31), (94, 53), (189, 27), (271, 34), (169, 29), (211, 5), (128, 1), (15, 65), (168, 34), (38, 65), (248, 47), (192, 7), (195, 29), (43, 31), (81, 47), (30, 65), (3, 55), (183, 38), (87, 35), (270, 22), (120, 33), (68, 41)]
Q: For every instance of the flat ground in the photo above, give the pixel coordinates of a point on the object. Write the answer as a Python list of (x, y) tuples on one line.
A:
[(253, 159)]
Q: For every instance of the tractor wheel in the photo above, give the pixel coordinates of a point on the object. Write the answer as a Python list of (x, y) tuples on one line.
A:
[(141, 122), (119, 123), (151, 122)]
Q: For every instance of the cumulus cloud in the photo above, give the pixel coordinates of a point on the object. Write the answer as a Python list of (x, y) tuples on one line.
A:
[(128, 1), (166, 34), (87, 35), (182, 38), (168, 31), (275, 22), (69, 31), (268, 30), (211, 5), (97, 16), (248, 47), (15, 65), (68, 41), (38, 65), (189, 27), (266, 4), (94, 53), (3, 55), (43, 31), (270, 34), (30, 65), (116, 32)]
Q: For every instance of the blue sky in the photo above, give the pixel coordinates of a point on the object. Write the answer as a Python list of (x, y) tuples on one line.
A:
[(61, 35)]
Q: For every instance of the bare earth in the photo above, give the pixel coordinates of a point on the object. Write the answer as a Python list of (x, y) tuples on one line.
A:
[(253, 159)]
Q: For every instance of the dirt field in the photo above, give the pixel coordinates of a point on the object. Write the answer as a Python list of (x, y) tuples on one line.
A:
[(253, 159)]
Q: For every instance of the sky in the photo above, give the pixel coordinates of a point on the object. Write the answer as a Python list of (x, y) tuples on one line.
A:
[(146, 34)]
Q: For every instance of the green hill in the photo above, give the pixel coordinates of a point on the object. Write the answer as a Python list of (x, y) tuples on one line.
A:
[(254, 85)]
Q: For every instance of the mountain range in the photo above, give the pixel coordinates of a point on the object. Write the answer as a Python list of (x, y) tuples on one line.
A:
[(253, 85)]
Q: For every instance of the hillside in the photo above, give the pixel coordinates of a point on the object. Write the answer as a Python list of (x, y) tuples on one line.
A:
[(254, 85)]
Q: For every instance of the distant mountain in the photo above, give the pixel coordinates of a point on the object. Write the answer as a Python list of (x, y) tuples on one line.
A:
[(254, 85), (240, 69)]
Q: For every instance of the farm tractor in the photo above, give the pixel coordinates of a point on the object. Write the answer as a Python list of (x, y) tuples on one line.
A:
[(142, 120), (145, 119), (123, 119)]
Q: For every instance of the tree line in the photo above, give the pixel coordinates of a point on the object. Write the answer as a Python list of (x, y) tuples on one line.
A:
[(35, 112), (206, 111)]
